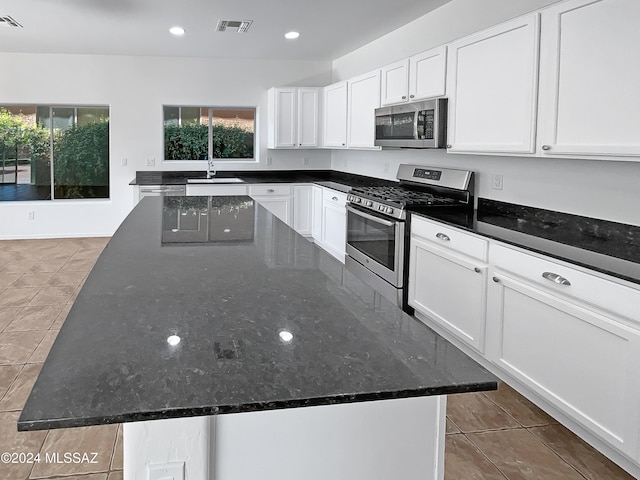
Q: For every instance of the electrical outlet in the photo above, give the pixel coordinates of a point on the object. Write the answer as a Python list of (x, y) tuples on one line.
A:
[(151, 161), (269, 161), (31, 215), (124, 161), (386, 167), (496, 181), (166, 471), (305, 161)]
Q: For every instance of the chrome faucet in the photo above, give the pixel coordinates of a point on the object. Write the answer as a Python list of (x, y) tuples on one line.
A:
[(211, 168)]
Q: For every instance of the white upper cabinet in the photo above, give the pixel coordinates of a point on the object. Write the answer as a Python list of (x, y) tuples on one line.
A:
[(395, 83), (415, 78), (427, 73), (492, 89), (308, 117), (362, 99), (294, 117), (589, 79), (335, 115)]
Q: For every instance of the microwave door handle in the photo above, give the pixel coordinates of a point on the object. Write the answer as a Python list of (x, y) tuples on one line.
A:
[(381, 221), (415, 125)]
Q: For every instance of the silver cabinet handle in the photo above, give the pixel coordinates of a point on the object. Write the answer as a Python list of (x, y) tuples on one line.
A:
[(343, 144), (449, 146), (442, 236), (335, 199), (546, 147), (404, 97), (496, 279), (411, 96), (270, 190), (477, 270), (555, 278)]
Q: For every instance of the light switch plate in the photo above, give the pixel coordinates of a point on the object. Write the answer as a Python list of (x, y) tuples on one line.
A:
[(166, 471)]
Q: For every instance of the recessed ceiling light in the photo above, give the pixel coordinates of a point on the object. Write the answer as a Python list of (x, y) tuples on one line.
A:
[(176, 31), (291, 35)]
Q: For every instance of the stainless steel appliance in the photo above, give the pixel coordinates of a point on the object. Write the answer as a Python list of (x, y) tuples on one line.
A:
[(412, 125), (377, 232)]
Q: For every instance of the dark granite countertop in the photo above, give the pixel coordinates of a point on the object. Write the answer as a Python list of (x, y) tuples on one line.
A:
[(607, 247), (229, 279), (328, 178)]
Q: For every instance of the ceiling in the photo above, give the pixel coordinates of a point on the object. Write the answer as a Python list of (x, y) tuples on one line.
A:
[(328, 28)]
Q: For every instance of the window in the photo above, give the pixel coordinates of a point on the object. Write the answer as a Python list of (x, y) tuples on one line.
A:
[(199, 133), (39, 143)]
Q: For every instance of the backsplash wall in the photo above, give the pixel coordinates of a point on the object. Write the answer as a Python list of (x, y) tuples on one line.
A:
[(601, 189)]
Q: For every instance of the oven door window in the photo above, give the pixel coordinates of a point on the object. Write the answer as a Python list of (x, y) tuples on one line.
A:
[(397, 126), (372, 238)]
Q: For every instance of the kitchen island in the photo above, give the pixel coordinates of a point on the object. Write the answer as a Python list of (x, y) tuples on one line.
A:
[(207, 324)]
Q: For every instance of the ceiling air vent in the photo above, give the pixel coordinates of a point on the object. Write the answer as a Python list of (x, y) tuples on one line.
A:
[(7, 21), (233, 26)]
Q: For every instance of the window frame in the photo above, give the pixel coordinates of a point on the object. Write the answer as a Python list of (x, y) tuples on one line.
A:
[(222, 160), (50, 128)]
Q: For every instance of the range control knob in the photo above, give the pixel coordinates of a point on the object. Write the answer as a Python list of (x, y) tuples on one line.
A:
[(358, 200), (389, 210), (369, 203), (349, 197), (381, 208)]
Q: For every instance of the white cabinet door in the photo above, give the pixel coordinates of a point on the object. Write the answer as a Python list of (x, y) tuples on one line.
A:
[(335, 115), (395, 83), (445, 264), (427, 73), (363, 98), (274, 197), (282, 112), (308, 117), (293, 117), (316, 228), (303, 209), (279, 206), (492, 89), (589, 79), (437, 279), (334, 223), (582, 359)]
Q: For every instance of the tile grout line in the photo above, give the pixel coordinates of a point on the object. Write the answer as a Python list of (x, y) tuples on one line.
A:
[(486, 456), (550, 447)]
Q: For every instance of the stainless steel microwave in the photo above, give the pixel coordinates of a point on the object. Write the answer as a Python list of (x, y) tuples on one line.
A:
[(413, 125)]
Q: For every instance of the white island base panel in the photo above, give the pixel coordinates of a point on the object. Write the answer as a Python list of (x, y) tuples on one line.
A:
[(399, 438)]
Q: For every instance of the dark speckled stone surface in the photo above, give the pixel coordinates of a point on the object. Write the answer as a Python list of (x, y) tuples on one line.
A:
[(329, 178), (228, 298), (608, 247)]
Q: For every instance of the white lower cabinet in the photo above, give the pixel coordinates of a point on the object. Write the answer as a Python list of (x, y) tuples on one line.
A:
[(316, 225), (303, 209), (448, 279), (333, 236), (274, 197), (571, 337)]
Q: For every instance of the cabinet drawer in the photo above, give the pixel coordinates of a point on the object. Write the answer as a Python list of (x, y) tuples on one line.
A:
[(275, 189), (449, 237), (334, 197), (564, 279)]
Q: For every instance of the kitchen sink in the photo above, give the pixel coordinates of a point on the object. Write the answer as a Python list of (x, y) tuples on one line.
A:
[(215, 180)]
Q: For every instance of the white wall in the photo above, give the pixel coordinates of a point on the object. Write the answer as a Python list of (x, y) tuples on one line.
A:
[(135, 88), (600, 189)]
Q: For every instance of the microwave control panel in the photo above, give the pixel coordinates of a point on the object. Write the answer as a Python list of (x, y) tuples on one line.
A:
[(426, 124)]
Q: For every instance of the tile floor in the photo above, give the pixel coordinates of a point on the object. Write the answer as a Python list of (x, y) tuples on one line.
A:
[(490, 436)]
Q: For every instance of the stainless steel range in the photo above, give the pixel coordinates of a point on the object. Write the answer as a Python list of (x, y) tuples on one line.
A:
[(377, 237)]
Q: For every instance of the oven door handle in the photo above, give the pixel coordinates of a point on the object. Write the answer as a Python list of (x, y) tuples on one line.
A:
[(386, 223)]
